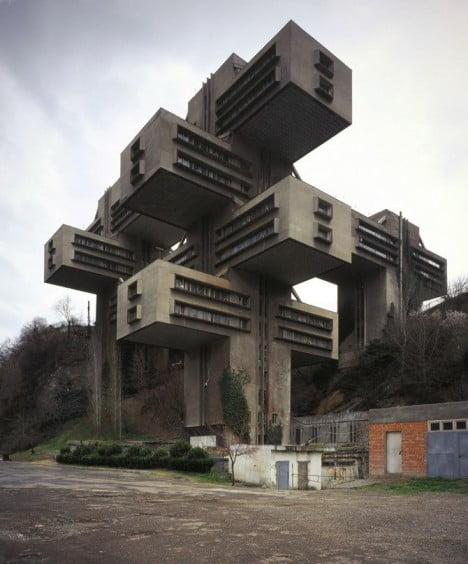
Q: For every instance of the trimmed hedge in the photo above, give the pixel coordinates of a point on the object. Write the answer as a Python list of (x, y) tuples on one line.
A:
[(178, 458), (180, 449)]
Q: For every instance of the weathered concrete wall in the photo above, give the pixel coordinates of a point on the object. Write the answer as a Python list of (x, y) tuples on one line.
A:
[(258, 466), (333, 428), (203, 441), (425, 412)]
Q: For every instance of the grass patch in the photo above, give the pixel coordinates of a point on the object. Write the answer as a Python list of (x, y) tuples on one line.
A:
[(421, 485), (77, 430)]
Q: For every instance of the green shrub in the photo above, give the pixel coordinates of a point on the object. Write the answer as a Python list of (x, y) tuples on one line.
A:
[(161, 453), (64, 458), (134, 450), (143, 462), (93, 459), (121, 460), (109, 450), (191, 464), (65, 450), (193, 460), (180, 449), (84, 450), (198, 452), (236, 412), (161, 458)]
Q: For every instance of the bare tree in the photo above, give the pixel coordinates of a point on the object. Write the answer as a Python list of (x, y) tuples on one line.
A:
[(64, 308), (234, 448), (457, 286)]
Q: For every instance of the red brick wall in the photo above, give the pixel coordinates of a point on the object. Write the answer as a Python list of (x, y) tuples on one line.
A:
[(413, 447)]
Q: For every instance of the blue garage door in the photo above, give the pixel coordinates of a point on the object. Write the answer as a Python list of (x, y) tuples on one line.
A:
[(447, 454)]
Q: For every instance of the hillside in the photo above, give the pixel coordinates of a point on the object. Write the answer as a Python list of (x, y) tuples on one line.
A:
[(48, 377), (424, 361)]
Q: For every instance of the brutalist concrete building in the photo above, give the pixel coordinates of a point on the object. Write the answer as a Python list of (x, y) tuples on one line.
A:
[(197, 245)]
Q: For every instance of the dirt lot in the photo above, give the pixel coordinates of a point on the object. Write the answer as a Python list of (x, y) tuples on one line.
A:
[(60, 514)]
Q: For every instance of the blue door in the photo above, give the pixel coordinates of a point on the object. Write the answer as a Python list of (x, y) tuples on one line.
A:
[(447, 454), (282, 474)]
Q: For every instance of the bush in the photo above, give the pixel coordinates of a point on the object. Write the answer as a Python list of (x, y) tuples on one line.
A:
[(161, 458), (191, 464), (198, 452), (109, 450), (65, 450), (192, 460), (180, 449), (64, 458), (93, 459), (84, 450), (121, 460), (134, 451)]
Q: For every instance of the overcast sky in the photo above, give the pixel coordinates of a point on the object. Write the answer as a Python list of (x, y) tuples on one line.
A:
[(79, 78)]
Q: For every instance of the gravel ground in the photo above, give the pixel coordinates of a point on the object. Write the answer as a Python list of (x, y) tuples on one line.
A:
[(59, 514)]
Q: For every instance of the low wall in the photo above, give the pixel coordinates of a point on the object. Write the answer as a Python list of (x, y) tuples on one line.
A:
[(203, 441)]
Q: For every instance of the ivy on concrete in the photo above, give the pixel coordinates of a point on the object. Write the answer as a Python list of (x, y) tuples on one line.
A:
[(236, 412)]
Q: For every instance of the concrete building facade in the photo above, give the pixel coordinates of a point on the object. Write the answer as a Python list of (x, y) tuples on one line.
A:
[(197, 245)]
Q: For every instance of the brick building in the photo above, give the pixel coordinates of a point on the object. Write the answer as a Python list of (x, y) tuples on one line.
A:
[(419, 440)]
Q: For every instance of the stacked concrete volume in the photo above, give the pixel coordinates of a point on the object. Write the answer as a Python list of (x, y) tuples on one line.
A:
[(198, 244)]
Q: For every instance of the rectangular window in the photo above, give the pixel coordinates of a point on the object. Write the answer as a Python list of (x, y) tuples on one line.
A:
[(209, 316), (374, 233), (323, 233), (427, 260), (199, 168), (246, 218), (323, 63), (323, 208), (136, 150), (238, 246), (205, 290), (137, 172), (134, 314), (306, 318), (251, 97), (257, 69), (135, 289), (211, 150), (101, 246), (305, 339), (323, 87), (103, 263), (453, 425), (368, 247)]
